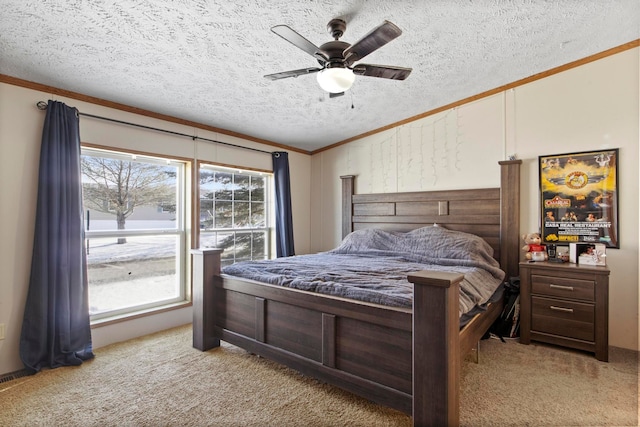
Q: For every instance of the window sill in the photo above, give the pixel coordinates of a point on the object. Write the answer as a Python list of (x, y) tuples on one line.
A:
[(138, 314)]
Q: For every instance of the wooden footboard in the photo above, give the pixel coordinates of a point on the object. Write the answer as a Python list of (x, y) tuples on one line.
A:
[(389, 355)]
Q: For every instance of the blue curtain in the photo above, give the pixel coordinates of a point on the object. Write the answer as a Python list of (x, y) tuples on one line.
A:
[(55, 327), (284, 221)]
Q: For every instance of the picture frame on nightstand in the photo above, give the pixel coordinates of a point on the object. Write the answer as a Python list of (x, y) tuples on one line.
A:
[(562, 253), (588, 253)]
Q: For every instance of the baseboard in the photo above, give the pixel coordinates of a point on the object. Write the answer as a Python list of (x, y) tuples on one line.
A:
[(13, 375)]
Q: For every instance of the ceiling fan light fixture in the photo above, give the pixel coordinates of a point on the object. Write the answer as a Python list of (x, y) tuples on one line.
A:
[(336, 80)]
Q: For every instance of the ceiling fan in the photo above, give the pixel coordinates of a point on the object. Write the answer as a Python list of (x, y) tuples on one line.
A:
[(337, 71)]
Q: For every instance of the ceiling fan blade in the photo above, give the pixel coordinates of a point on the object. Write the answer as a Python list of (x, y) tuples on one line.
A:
[(298, 41), (375, 39), (335, 94), (292, 73), (382, 71)]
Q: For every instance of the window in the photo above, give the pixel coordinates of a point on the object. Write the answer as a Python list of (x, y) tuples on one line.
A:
[(135, 231), (234, 213)]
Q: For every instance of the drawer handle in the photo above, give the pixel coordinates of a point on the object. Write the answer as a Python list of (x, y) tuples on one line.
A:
[(564, 288), (566, 310)]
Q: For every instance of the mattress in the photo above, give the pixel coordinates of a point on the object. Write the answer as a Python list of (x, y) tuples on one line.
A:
[(372, 266)]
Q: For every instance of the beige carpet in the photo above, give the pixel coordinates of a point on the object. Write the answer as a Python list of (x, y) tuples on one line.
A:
[(160, 380)]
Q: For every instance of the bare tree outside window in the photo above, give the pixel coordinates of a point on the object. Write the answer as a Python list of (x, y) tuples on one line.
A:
[(118, 187)]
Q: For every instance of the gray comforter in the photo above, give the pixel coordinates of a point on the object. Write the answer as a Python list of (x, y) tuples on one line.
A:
[(372, 265)]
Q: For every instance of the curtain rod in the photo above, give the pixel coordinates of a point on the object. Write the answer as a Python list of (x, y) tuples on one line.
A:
[(43, 106)]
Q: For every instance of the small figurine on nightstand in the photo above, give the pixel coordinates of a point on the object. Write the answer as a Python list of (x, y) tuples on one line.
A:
[(534, 250)]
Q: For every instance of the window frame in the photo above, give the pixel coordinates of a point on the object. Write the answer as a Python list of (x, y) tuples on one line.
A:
[(268, 227), (181, 231)]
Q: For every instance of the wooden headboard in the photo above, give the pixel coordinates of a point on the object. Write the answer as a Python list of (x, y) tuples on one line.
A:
[(491, 213)]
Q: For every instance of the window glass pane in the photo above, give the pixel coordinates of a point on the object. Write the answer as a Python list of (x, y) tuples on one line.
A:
[(242, 187), (226, 242), (258, 246), (127, 194), (131, 271), (206, 213), (257, 188), (223, 186), (241, 217), (223, 214), (208, 240), (257, 215), (207, 183), (243, 246)]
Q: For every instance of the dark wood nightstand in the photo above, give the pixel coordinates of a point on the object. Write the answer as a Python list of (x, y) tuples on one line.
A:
[(565, 304)]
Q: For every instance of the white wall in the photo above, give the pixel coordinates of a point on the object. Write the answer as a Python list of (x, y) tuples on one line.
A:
[(594, 106), (20, 132)]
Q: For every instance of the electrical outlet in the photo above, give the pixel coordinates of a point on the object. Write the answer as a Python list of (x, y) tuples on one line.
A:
[(1, 331)]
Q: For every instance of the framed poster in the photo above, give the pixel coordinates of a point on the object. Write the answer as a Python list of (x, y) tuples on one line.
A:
[(579, 198)]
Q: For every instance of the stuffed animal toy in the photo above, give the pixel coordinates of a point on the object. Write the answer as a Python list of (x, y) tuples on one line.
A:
[(533, 244)]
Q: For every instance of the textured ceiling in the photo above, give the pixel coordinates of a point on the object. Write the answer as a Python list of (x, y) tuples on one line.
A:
[(204, 60)]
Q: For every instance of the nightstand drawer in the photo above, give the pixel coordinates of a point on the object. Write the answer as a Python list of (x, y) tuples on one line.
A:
[(565, 304), (563, 287), (565, 318)]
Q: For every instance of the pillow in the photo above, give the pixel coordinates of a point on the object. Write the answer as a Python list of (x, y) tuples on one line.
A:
[(427, 245)]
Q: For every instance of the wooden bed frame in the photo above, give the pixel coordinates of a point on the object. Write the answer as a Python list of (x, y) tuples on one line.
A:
[(407, 359)]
